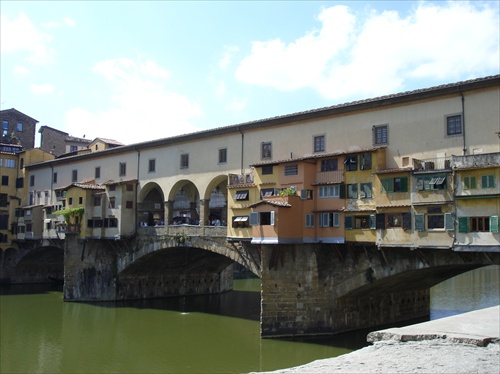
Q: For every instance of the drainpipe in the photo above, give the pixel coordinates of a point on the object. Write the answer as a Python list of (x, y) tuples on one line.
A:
[(463, 122), (137, 189), (242, 148)]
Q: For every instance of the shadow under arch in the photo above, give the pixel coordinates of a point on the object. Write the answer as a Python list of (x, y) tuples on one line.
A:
[(44, 264), (150, 206), (176, 271)]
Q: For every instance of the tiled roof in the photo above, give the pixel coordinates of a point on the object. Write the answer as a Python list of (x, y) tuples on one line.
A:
[(111, 181), (394, 206), (278, 203), (319, 156), (394, 170)]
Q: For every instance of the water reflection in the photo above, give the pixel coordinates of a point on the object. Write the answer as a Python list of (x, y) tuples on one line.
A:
[(200, 334)]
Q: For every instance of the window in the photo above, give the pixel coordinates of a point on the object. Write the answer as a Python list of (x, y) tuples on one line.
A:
[(73, 148), (19, 182), (97, 200), (110, 222), (454, 125), (74, 175), (122, 169), (262, 219), (9, 163), (487, 181), (70, 202), (398, 220), (329, 220), (96, 223), (19, 127), (222, 155), (469, 183), (330, 164), (80, 200), (3, 199), (129, 204), (267, 169), (309, 220), (390, 185), (380, 135), (54, 177), (97, 173), (328, 191), (4, 218), (360, 222), (5, 180), (5, 128), (152, 165), (352, 191), (351, 163), (112, 202), (240, 221), (112, 187), (266, 151), (266, 192), (184, 161), (32, 180), (319, 143), (365, 190), (129, 187), (241, 195), (365, 161), (478, 224), (291, 169)]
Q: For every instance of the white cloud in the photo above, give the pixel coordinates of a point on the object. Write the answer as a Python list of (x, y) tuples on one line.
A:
[(42, 89), (227, 57), (19, 34), (354, 57), (21, 71), (143, 108)]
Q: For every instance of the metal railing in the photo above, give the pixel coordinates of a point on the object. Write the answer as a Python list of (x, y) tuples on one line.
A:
[(336, 176), (440, 163)]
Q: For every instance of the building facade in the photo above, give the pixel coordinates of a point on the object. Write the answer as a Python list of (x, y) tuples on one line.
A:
[(378, 171)]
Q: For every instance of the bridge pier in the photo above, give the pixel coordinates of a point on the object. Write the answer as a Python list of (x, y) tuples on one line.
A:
[(326, 289)]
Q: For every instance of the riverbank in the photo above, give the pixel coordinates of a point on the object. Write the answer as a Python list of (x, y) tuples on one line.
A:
[(464, 343)]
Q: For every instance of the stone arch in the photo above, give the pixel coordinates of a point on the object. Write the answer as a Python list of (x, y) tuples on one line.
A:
[(184, 203), (43, 264), (215, 199), (151, 206)]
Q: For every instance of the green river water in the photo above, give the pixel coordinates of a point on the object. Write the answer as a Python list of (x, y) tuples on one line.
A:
[(39, 333)]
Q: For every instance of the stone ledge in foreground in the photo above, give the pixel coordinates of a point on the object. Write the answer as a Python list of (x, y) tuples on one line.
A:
[(480, 327)]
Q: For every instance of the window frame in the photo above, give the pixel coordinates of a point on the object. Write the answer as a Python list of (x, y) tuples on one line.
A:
[(184, 161), (488, 181), (152, 165), (266, 150), (450, 125), (380, 135), (222, 156), (291, 169), (318, 143), (122, 169), (329, 164)]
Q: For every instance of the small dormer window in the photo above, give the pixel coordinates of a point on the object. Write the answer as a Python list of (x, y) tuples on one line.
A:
[(97, 147)]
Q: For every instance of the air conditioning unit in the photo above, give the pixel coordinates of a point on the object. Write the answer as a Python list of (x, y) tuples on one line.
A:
[(304, 194)]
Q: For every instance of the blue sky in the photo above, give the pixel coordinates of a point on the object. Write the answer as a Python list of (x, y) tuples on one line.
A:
[(137, 71)]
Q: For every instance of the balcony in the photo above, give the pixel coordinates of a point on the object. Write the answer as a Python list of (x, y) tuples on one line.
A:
[(235, 179), (329, 177), (475, 161), (440, 163)]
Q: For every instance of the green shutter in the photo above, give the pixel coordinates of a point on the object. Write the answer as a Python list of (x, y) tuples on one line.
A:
[(463, 224), (449, 222), (342, 193), (406, 221), (348, 222), (387, 185), (404, 184), (254, 219), (494, 224), (472, 182), (373, 222), (419, 222)]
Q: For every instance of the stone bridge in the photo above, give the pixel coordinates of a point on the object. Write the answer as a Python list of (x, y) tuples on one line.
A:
[(307, 289), (157, 262)]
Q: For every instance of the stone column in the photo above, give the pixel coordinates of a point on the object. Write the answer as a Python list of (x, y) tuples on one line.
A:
[(204, 211), (168, 206)]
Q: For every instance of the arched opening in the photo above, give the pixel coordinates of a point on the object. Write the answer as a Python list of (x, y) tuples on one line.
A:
[(216, 194), (151, 209), (185, 204)]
